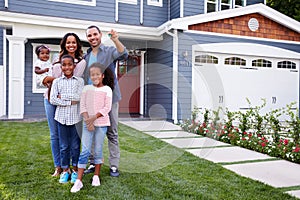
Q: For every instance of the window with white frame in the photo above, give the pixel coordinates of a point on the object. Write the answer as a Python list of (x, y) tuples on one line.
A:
[(286, 65), (261, 63), (225, 5), (155, 2), (205, 58), (128, 1), (235, 61), (217, 5), (79, 2)]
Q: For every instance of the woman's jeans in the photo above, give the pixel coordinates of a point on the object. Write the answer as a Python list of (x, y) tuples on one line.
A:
[(69, 144), (87, 139), (53, 127)]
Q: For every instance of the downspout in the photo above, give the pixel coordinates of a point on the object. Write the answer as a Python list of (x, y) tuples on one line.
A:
[(5, 3), (142, 12), (174, 75), (117, 11)]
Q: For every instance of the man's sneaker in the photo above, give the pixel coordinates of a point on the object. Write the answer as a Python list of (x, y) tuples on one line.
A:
[(96, 181), (64, 177), (114, 171), (90, 169), (74, 176), (77, 186)]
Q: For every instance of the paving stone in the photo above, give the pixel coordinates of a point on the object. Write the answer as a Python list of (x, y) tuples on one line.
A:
[(228, 154), (151, 125), (171, 134), (277, 173), (194, 142)]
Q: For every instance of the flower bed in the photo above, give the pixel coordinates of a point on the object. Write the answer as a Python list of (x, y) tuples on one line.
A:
[(251, 130)]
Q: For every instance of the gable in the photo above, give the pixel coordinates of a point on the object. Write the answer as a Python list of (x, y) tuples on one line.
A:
[(239, 26)]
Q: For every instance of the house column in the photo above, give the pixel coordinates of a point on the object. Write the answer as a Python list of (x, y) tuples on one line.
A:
[(16, 70)]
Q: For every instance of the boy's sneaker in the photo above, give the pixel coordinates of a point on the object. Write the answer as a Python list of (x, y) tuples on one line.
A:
[(90, 169), (96, 181), (64, 177), (114, 171), (77, 186), (74, 176)]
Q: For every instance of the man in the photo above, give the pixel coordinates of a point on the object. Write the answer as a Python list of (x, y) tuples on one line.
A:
[(107, 55)]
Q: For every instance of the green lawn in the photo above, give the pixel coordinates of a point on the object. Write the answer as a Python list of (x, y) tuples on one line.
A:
[(150, 169)]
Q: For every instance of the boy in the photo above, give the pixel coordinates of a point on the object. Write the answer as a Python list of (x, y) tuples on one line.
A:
[(65, 94)]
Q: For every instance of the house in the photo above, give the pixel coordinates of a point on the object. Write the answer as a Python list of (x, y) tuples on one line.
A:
[(183, 53)]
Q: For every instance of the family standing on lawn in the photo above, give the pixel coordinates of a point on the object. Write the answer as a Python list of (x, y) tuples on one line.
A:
[(84, 87)]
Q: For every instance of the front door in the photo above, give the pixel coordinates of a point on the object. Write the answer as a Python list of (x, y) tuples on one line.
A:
[(129, 81)]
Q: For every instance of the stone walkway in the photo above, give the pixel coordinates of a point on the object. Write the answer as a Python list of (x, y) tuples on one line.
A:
[(251, 164)]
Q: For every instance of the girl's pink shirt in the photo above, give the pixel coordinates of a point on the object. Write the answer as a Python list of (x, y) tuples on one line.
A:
[(94, 100)]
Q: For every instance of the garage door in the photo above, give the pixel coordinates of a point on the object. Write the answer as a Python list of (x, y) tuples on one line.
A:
[(244, 71)]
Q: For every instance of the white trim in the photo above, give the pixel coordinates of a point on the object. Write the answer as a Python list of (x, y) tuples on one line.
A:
[(5, 3), (152, 3), (142, 12), (174, 76), (183, 23), (78, 2), (16, 77), (142, 82), (242, 37), (134, 2), (56, 26), (252, 50), (3, 78)]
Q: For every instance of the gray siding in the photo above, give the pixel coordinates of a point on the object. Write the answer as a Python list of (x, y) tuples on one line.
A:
[(184, 66), (158, 93), (175, 9), (104, 11), (192, 7)]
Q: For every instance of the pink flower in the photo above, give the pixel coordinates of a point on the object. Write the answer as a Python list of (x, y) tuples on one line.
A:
[(245, 133), (286, 142), (263, 144)]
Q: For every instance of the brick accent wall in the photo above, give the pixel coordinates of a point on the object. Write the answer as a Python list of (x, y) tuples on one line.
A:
[(239, 26)]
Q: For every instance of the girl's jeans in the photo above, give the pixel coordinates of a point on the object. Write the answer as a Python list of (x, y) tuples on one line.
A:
[(53, 127), (69, 144), (87, 139)]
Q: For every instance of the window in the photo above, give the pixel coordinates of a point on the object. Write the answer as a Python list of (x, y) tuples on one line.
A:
[(128, 1), (225, 4), (79, 2), (235, 61), (212, 6), (239, 3), (155, 2), (217, 5), (261, 63), (286, 65), (206, 59)]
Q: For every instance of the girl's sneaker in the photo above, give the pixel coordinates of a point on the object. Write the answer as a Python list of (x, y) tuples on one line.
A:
[(96, 181), (77, 186), (74, 176), (64, 177)]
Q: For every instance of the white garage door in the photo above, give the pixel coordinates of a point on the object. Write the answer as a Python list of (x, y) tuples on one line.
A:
[(226, 75)]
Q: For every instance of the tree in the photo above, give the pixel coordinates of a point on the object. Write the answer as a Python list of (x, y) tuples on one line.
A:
[(290, 8)]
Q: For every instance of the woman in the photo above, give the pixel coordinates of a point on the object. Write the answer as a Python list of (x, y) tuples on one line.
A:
[(70, 44)]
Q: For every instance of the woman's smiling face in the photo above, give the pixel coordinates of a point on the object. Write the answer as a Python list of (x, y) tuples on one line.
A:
[(71, 44)]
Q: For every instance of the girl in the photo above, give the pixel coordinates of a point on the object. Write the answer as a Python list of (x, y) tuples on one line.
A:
[(42, 67), (95, 104), (65, 94)]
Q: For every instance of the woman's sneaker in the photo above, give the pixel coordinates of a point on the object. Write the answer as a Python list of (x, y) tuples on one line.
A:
[(77, 186), (74, 176), (96, 181), (64, 177)]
